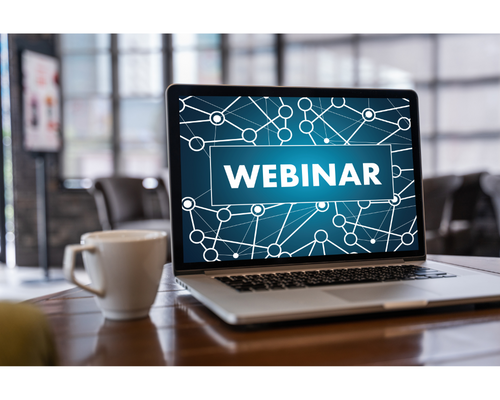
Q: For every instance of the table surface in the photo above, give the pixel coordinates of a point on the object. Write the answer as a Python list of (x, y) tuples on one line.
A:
[(181, 331)]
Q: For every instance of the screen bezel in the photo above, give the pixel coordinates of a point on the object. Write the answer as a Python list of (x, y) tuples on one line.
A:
[(175, 91)]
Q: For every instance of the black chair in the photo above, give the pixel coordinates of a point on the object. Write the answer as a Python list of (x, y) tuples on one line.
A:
[(124, 203), (438, 205), (491, 186), (472, 226)]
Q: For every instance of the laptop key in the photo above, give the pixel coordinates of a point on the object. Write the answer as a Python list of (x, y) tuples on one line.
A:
[(243, 289)]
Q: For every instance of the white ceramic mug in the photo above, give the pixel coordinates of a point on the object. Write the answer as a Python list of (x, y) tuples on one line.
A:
[(124, 267)]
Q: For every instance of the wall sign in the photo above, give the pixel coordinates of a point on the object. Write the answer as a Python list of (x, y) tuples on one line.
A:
[(41, 102)]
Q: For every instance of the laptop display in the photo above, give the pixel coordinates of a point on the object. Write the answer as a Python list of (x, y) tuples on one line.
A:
[(280, 175)]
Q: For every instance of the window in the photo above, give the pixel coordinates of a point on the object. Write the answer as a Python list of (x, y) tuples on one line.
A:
[(113, 89), (197, 58), (457, 78), (113, 99), (252, 59), (87, 107), (141, 137)]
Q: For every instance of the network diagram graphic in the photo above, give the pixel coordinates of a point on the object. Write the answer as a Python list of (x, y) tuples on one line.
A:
[(257, 231)]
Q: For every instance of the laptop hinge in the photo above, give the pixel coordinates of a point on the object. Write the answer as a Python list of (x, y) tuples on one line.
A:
[(304, 267), (415, 258)]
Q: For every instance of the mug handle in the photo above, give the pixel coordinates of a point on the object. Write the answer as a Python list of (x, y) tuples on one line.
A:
[(69, 266)]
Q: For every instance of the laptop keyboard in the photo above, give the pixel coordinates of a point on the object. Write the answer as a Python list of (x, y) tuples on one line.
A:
[(326, 277)]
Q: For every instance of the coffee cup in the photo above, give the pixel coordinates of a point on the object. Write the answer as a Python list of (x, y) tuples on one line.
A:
[(124, 267)]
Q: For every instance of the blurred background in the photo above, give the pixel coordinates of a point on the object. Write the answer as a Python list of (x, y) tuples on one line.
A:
[(113, 117)]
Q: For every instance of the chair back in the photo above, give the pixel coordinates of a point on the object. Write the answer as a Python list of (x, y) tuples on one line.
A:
[(118, 199), (491, 186), (438, 201)]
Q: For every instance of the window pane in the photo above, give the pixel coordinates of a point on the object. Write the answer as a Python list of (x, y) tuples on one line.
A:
[(255, 68), (309, 37), (140, 74), (251, 41), (196, 58), (184, 40), (252, 59), (469, 56), (396, 62), (460, 156), (87, 159), (319, 65), (469, 109), (87, 118), (85, 42), (427, 150), (131, 42), (87, 138), (86, 74), (141, 162), (195, 41), (208, 41), (142, 137), (191, 66)]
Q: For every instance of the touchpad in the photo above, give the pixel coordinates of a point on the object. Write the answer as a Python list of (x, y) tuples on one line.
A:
[(383, 294)]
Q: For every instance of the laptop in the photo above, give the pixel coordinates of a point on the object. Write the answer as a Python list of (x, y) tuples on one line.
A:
[(296, 202)]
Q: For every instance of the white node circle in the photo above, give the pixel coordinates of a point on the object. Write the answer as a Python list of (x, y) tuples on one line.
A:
[(364, 204), (322, 206), (407, 238), (306, 126), (249, 135), (372, 241), (196, 143), (258, 210), (396, 200), (236, 255), (350, 239), (368, 114), (210, 255), (217, 118), (224, 215), (396, 171), (197, 236), (338, 102), (188, 204), (284, 134), (285, 112), (274, 250), (326, 140), (321, 236), (338, 220), (404, 123), (182, 105), (304, 104)]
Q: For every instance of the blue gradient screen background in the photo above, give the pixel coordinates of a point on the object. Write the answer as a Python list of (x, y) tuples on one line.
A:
[(326, 225)]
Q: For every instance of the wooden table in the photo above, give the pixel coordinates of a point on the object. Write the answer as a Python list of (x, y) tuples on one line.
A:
[(181, 331)]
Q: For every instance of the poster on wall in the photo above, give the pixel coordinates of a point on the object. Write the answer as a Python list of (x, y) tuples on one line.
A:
[(41, 116)]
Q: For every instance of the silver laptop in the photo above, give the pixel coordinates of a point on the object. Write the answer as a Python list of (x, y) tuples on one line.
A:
[(293, 202)]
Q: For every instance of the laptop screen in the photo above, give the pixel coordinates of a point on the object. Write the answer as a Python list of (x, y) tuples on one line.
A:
[(280, 175)]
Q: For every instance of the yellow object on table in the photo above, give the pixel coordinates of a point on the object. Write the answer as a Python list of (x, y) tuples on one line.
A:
[(25, 336)]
